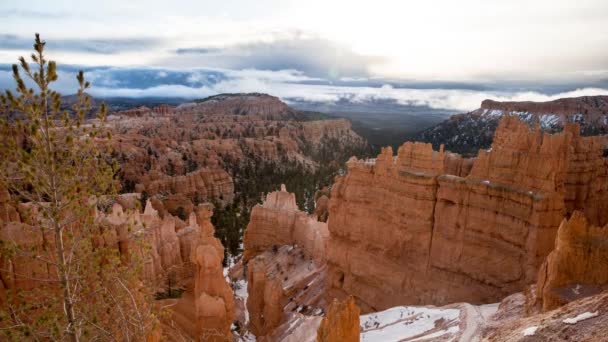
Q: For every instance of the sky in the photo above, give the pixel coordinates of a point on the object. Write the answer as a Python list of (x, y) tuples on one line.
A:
[(439, 53)]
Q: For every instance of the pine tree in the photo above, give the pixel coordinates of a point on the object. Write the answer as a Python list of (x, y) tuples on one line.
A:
[(69, 281)]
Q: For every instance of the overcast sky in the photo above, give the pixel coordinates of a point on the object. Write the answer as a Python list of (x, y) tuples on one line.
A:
[(541, 46)]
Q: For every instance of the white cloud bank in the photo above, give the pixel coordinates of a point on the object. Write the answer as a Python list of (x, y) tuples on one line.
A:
[(292, 85), (454, 99)]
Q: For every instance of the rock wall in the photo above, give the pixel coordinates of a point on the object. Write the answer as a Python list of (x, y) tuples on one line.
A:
[(284, 285), (591, 106), (404, 232), (577, 267), (213, 297), (278, 222), (341, 323), (587, 177)]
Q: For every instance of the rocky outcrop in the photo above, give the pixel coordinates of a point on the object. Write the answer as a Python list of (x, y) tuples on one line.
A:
[(341, 323), (589, 106), (466, 133), (581, 320), (284, 285), (587, 177), (577, 267), (253, 104), (186, 155), (213, 297), (402, 232), (278, 222)]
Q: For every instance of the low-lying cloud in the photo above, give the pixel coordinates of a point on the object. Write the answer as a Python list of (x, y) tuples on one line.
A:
[(289, 85)]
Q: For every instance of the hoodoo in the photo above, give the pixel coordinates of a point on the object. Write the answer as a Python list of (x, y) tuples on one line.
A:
[(404, 231)]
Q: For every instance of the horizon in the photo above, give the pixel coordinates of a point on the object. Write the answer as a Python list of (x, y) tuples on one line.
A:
[(440, 54)]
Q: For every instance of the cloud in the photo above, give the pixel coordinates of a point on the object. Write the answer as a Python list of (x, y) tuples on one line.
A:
[(316, 57), (28, 13), (294, 86), (280, 85), (98, 46)]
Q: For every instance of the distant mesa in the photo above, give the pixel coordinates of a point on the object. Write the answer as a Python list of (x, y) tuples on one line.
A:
[(466, 133)]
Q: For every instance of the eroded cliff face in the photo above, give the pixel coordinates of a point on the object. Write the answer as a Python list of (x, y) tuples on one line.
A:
[(577, 267), (278, 222), (286, 294), (186, 155), (213, 297), (341, 323), (587, 177), (404, 232), (466, 133), (284, 259), (177, 255)]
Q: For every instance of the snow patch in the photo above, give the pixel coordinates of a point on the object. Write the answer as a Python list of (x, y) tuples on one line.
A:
[(581, 317), (248, 337), (548, 120), (529, 331), (404, 322), (494, 112)]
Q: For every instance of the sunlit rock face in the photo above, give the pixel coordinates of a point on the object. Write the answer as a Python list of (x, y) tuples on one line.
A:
[(577, 267), (407, 229), (213, 297), (466, 133), (286, 294), (278, 222), (186, 155), (341, 323)]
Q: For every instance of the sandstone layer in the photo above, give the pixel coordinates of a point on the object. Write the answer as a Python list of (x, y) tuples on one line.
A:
[(278, 222), (189, 154), (286, 293), (177, 255), (341, 323), (577, 267), (213, 297), (403, 230)]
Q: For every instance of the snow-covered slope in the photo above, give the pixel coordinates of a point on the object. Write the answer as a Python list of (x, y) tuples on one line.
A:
[(467, 133), (426, 323)]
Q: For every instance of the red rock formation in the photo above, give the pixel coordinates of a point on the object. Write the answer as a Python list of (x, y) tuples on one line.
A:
[(587, 177), (403, 233), (254, 104), (184, 155), (455, 164), (8, 210), (531, 160), (278, 222), (577, 267), (341, 323), (581, 320), (286, 292), (213, 297), (592, 107)]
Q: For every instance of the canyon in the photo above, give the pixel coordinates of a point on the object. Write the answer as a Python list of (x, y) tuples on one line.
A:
[(198, 151), (503, 238), (424, 243)]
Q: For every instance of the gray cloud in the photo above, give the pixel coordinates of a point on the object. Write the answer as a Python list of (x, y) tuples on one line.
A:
[(99, 46), (313, 56), (28, 13)]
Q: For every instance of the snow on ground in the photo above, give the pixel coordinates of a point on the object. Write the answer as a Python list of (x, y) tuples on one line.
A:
[(548, 120), (581, 317), (241, 289), (529, 331), (406, 322), (248, 337)]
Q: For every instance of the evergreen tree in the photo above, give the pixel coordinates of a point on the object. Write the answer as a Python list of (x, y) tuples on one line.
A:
[(77, 285)]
